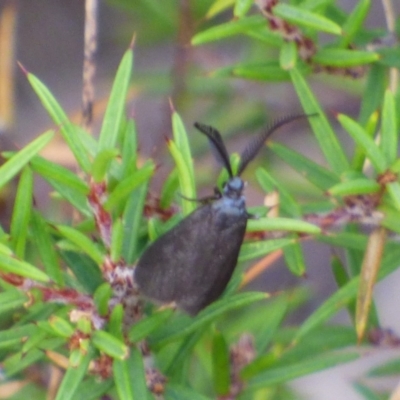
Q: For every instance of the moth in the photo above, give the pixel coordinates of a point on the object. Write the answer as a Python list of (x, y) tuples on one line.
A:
[(191, 264)]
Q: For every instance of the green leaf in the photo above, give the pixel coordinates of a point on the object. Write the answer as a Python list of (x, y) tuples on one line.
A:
[(169, 189), (54, 172), (129, 377), (347, 293), (294, 258), (393, 189), (180, 392), (360, 155), (323, 132), (22, 213), (132, 217), (18, 332), (366, 392), (114, 115), (206, 316), (242, 7), (283, 374), (286, 201), (218, 6), (266, 71), (73, 377), (149, 324), (82, 242), (389, 130), (306, 19), (354, 22), (116, 321), (354, 187), (348, 240), (93, 389), (281, 224), (128, 184), (110, 345), (361, 137), (319, 176), (391, 367), (186, 181), (11, 300), (46, 247), (21, 268), (184, 163), (101, 163), (12, 166), (85, 270), (228, 29), (373, 93), (129, 149), (101, 298), (288, 55), (61, 327), (68, 130), (117, 238), (249, 251), (343, 58), (220, 364)]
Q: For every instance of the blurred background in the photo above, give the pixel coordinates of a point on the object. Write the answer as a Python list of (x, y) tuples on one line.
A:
[(46, 37)]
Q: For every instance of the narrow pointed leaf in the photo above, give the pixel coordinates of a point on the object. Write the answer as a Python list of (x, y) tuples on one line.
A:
[(281, 224), (46, 247), (249, 251), (323, 132), (110, 345), (68, 130), (373, 93), (21, 213), (242, 7), (228, 29), (354, 22), (286, 201), (288, 55), (361, 138), (127, 185), (220, 364), (343, 58), (294, 258), (54, 172), (129, 377), (307, 19), (218, 6), (147, 325), (21, 268), (346, 294), (393, 189), (12, 166), (389, 130), (209, 314), (101, 163), (72, 378), (132, 217), (319, 176), (12, 300), (186, 182), (115, 111), (354, 187), (283, 374), (82, 242)]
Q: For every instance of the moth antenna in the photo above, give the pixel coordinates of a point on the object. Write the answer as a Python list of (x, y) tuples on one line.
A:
[(254, 146), (217, 145)]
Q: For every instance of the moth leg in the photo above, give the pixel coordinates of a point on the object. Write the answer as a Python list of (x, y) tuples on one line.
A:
[(204, 200)]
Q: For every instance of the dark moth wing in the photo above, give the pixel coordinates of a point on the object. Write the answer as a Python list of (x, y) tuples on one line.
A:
[(193, 262)]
